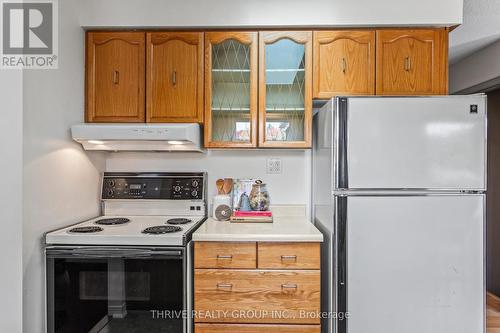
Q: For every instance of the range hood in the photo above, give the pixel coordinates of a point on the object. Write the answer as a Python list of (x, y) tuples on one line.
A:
[(138, 137)]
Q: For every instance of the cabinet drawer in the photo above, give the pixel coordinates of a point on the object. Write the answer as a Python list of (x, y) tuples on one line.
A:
[(225, 255), (257, 296), (289, 255), (252, 328)]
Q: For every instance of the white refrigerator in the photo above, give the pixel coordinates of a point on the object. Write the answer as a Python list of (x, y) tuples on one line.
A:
[(399, 189)]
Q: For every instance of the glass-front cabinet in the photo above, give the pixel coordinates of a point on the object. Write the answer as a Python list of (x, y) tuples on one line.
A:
[(231, 89), (285, 89), (258, 94)]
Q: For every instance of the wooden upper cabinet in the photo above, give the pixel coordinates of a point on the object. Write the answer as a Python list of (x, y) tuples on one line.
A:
[(231, 89), (174, 74), (115, 77), (285, 89), (344, 63), (412, 62)]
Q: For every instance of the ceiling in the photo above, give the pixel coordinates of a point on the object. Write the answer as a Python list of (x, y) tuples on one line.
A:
[(481, 28)]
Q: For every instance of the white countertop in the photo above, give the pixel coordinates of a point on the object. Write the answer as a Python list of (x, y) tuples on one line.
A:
[(283, 229)]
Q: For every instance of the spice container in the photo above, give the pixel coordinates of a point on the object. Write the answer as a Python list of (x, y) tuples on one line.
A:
[(259, 196)]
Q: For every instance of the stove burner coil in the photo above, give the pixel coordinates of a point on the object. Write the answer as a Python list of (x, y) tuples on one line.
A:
[(161, 229), (112, 221), (178, 221), (89, 229)]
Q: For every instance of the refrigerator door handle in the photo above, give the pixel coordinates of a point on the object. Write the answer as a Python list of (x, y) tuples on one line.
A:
[(341, 263), (340, 146)]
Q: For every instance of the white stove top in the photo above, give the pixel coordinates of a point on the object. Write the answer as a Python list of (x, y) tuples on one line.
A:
[(129, 233)]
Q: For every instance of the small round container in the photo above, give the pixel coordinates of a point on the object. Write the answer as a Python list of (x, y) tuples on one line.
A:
[(259, 197)]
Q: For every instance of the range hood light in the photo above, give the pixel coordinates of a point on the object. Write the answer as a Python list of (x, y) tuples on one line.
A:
[(139, 137)]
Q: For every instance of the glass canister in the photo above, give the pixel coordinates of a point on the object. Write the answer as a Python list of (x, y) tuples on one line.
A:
[(259, 197)]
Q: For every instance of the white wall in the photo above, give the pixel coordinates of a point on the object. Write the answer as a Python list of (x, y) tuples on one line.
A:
[(292, 186), (188, 13), (479, 67), (11, 140), (61, 182)]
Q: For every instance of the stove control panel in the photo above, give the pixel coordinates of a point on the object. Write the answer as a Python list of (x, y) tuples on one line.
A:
[(158, 186)]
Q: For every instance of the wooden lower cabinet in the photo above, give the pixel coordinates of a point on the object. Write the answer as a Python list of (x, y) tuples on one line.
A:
[(244, 328), (255, 296), (280, 291)]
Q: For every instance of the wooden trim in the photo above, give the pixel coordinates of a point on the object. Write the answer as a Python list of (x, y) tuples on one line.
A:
[(302, 37), (327, 37), (248, 38), (443, 46), (157, 38), (89, 82), (99, 38)]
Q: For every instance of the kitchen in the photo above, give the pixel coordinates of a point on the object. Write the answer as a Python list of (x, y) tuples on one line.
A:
[(54, 101)]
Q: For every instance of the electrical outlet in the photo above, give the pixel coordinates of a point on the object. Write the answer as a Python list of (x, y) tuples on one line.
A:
[(273, 166)]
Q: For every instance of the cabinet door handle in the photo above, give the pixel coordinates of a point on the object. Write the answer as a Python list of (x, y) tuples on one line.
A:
[(116, 77), (407, 64), (174, 78), (225, 286), (289, 286), (224, 257), (293, 257), (344, 65)]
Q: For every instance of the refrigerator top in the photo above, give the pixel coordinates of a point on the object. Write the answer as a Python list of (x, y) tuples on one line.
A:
[(419, 144)]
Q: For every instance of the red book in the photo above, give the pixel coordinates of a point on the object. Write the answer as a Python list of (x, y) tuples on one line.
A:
[(254, 213)]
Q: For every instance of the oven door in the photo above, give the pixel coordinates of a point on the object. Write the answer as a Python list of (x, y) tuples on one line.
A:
[(110, 289)]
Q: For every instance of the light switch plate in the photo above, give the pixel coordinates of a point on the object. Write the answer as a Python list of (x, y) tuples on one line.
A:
[(273, 166)]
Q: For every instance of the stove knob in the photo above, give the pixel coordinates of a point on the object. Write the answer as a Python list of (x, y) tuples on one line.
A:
[(194, 193), (177, 188), (111, 192), (195, 183), (111, 183)]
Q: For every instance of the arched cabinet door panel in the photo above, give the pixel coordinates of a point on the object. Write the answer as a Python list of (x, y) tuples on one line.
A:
[(344, 63), (231, 89), (174, 74), (115, 81), (412, 62), (285, 89)]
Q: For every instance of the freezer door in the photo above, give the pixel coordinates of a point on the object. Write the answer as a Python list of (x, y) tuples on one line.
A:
[(412, 264), (412, 142)]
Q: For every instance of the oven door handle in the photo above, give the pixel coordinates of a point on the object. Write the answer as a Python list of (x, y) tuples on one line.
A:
[(111, 253)]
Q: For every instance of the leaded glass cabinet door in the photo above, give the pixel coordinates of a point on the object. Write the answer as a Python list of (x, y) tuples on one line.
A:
[(231, 89), (285, 89)]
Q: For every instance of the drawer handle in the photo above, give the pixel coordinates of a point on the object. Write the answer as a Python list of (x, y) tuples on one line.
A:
[(225, 286), (289, 286), (290, 258), (224, 257)]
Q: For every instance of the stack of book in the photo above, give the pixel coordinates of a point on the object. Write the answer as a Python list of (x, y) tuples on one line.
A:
[(252, 217)]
